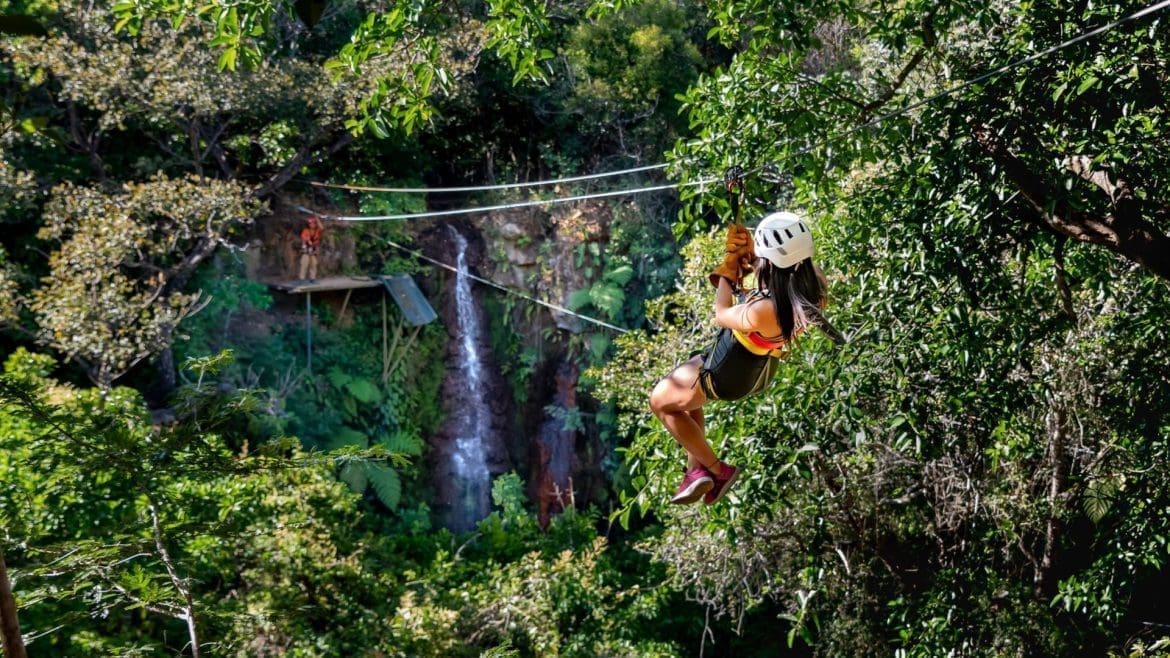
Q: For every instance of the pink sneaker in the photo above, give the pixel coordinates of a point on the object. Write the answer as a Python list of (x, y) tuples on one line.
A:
[(722, 483), (695, 483)]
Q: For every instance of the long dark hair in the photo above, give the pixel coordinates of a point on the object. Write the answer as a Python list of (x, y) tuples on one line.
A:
[(798, 294)]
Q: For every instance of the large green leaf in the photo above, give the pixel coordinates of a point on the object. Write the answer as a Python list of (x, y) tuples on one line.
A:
[(385, 482), (608, 298), (620, 275), (578, 299), (1099, 497), (339, 378)]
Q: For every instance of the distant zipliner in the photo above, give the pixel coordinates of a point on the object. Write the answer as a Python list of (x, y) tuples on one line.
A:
[(310, 244), (755, 332)]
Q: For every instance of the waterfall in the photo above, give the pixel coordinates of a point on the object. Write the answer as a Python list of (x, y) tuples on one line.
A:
[(473, 488)]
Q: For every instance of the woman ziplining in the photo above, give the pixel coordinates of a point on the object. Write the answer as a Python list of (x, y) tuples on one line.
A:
[(755, 332)]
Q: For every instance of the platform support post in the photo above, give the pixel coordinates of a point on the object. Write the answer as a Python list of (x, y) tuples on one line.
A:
[(385, 353), (344, 305), (309, 331)]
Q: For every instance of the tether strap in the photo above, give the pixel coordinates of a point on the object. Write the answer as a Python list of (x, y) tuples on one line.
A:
[(733, 183)]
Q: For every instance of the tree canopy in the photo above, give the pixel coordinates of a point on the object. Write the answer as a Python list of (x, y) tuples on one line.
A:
[(977, 471)]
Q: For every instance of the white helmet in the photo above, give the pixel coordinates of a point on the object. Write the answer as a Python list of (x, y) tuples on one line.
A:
[(784, 239)]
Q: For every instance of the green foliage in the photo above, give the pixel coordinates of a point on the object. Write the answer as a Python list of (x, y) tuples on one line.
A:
[(344, 405), (239, 28), (979, 420), (226, 295), (514, 590), (385, 483), (979, 472), (518, 29), (94, 562), (115, 524), (607, 294), (401, 98), (95, 308), (8, 291), (936, 424), (629, 66)]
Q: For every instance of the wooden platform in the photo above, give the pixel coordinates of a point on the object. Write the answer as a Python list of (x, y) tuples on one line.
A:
[(325, 284), (414, 306)]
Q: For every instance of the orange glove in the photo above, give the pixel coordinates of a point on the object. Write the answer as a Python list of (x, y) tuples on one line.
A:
[(746, 247), (738, 255)]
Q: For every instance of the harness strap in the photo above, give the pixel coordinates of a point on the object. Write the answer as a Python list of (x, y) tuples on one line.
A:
[(758, 345)]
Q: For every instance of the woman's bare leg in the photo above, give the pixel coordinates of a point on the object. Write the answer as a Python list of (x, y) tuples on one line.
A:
[(678, 402), (697, 416)]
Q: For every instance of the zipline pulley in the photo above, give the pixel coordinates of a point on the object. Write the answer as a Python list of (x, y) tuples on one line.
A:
[(733, 183)]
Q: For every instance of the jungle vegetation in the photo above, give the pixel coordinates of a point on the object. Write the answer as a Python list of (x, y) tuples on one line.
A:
[(979, 471)]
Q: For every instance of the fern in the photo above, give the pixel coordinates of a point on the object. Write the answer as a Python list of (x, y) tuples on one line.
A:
[(608, 298), (339, 378), (619, 275), (403, 443), (385, 482), (363, 390)]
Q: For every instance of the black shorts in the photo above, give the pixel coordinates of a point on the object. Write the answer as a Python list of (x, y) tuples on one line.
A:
[(731, 372)]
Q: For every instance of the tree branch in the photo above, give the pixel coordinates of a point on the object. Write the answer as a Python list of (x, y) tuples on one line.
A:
[(804, 77), (1081, 165), (193, 132), (165, 556), (215, 149), (88, 144), (1123, 231), (928, 41), (304, 156), (178, 275)]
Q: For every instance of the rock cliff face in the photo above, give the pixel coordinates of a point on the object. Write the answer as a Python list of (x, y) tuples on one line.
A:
[(538, 252), (555, 459)]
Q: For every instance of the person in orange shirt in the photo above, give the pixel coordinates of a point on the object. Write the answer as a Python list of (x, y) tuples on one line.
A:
[(755, 332), (310, 242)]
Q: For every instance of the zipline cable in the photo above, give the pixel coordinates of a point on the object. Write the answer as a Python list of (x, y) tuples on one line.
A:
[(508, 206), (872, 122), (488, 188), (930, 99), (510, 291), (976, 80)]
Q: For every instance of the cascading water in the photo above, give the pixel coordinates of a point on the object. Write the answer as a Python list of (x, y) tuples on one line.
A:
[(472, 429)]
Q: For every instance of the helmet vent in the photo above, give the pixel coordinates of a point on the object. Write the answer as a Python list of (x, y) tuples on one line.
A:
[(789, 233)]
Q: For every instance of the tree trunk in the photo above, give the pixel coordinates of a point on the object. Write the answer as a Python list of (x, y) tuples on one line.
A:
[(1057, 426), (9, 624)]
